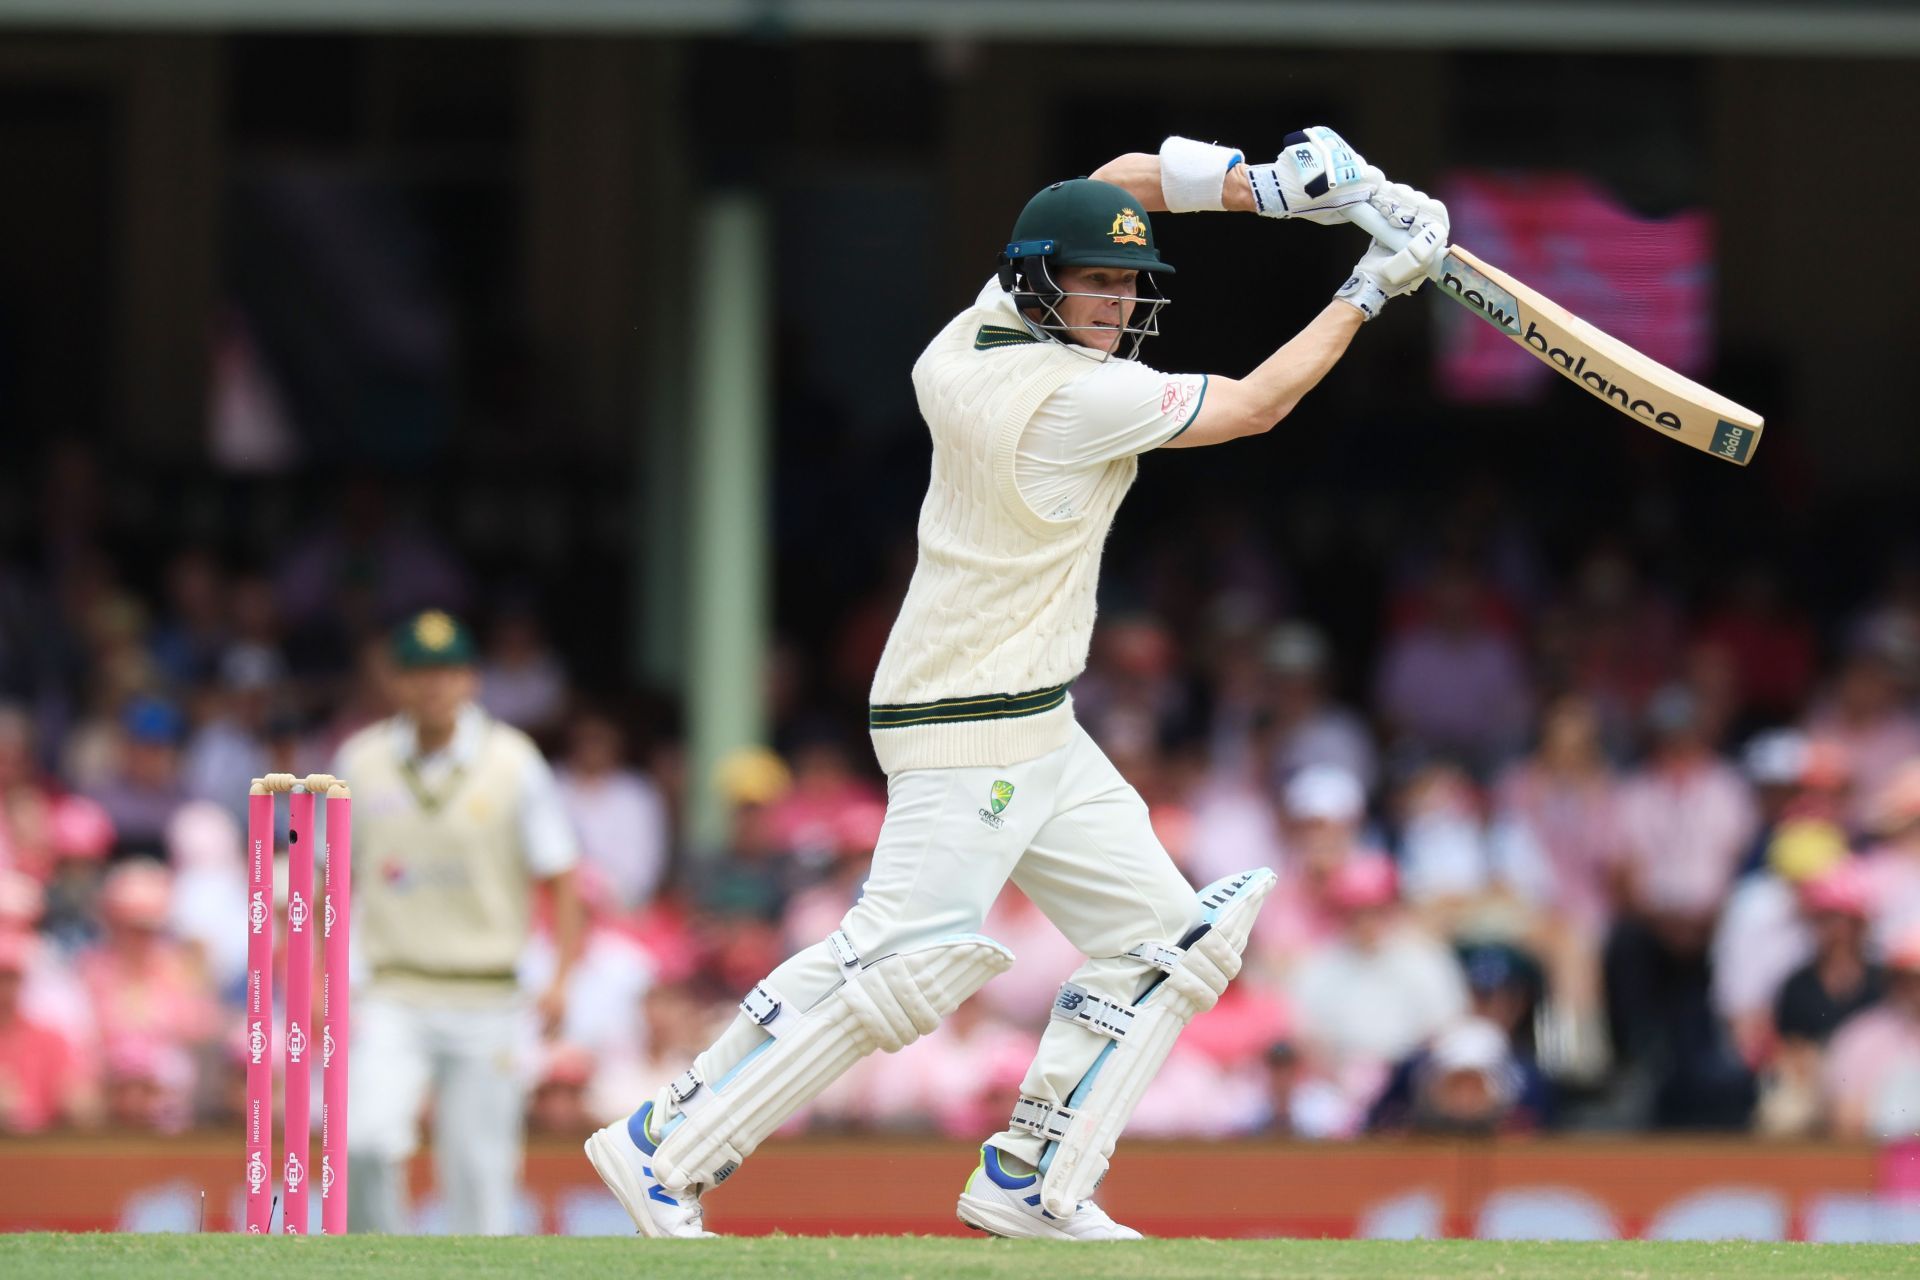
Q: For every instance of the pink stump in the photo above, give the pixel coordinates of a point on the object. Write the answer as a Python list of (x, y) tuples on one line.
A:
[(336, 921), (300, 837), (259, 1010)]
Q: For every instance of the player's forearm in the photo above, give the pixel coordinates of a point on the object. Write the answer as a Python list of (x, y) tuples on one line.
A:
[(1139, 173), (1237, 407), (569, 922)]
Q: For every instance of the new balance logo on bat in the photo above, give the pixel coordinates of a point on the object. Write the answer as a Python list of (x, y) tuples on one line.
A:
[(1495, 305), (1575, 367)]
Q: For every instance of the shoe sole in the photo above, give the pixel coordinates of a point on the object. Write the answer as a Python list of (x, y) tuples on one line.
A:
[(612, 1168), (1008, 1224)]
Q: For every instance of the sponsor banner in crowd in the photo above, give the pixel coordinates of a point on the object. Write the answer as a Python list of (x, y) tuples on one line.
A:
[(1577, 1189)]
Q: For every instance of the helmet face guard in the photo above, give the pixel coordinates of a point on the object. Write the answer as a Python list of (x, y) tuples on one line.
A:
[(1025, 274)]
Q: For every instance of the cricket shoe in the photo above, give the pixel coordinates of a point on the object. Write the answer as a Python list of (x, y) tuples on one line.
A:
[(1007, 1204), (622, 1154)]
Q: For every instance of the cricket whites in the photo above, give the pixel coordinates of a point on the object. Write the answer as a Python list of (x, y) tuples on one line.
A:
[(1643, 389)]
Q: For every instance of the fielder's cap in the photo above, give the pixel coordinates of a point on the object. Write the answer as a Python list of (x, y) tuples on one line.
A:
[(1295, 648), (433, 638), (1325, 793), (1803, 848)]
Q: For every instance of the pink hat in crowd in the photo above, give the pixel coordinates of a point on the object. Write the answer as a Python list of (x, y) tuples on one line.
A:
[(80, 829), (1841, 889), (137, 894), (1363, 882)]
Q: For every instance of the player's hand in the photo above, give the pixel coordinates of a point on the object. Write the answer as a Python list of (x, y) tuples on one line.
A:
[(1317, 177), (551, 1009), (1426, 223), (1370, 286)]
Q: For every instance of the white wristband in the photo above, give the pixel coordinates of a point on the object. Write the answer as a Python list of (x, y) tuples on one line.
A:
[(1192, 173)]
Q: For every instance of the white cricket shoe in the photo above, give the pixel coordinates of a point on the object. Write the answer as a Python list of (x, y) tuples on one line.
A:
[(622, 1154), (1008, 1204)]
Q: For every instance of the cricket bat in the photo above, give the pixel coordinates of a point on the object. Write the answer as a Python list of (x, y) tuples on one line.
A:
[(1643, 389)]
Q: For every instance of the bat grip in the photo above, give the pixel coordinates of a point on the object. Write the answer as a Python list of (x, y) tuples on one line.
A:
[(1375, 224)]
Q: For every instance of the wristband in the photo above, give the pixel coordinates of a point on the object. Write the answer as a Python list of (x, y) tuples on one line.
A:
[(1191, 174), (1362, 294)]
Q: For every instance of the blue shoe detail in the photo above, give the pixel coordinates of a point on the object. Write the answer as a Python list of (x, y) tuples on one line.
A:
[(990, 1161), (1034, 1199), (637, 1125), (658, 1192)]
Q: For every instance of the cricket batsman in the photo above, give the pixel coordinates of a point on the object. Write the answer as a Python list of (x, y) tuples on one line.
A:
[(1038, 411)]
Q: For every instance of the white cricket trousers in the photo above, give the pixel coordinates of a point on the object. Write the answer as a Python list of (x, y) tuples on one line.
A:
[(1073, 836), (468, 1061)]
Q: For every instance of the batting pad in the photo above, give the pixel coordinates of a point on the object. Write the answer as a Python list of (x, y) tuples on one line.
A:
[(1081, 1140), (887, 1005)]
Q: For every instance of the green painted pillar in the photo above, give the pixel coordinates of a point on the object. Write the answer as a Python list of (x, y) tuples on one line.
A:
[(729, 449)]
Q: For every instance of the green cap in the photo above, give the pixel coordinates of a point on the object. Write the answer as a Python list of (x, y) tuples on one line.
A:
[(433, 638), (1084, 222)]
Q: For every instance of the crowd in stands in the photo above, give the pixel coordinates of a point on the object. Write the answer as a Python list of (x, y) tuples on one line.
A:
[(1570, 855)]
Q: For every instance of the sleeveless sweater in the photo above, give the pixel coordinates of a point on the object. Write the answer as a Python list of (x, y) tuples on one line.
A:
[(999, 615)]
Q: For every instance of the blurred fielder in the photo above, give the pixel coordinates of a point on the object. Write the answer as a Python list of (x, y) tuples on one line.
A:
[(1038, 412)]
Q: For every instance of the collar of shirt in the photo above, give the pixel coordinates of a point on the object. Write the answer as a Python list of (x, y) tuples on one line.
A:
[(469, 732)]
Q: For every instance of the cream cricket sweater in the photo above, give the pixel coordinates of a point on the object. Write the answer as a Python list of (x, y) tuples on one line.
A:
[(1000, 611)]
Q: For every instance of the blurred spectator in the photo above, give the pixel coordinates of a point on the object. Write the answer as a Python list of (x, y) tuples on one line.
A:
[(750, 876), (24, 798), (1452, 683), (1686, 817), (81, 835), (1468, 1082), (1872, 1076), (1565, 797), (187, 642), (559, 1101), (149, 1086), (1325, 811), (811, 821), (1892, 866), (208, 857), (1770, 641), (522, 680), (675, 1024), (618, 811), (1369, 998), (1865, 713), (144, 988), (42, 1081), (1463, 874), (144, 786), (1306, 725), (1612, 639), (1763, 935), (1836, 983)]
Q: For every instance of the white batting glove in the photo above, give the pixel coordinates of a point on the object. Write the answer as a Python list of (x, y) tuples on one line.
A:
[(1370, 285), (1316, 177), (1425, 221)]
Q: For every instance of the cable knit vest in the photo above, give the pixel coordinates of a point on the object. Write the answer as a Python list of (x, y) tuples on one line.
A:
[(1000, 612)]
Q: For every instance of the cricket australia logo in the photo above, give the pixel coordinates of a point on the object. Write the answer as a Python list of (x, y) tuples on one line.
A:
[(257, 912), (297, 914), (999, 798), (296, 1042), (1127, 228)]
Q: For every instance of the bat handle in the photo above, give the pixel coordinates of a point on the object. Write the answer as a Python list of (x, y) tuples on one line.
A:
[(1375, 224)]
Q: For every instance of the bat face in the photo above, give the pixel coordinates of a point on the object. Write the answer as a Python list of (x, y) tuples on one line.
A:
[(1606, 367)]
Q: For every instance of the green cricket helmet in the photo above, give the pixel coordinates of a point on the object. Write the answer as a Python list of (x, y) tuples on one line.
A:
[(1082, 222)]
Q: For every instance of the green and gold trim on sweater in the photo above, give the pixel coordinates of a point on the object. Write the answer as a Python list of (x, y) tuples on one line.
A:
[(995, 335), (984, 706)]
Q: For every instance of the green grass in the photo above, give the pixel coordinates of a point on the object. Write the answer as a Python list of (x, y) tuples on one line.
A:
[(209, 1257)]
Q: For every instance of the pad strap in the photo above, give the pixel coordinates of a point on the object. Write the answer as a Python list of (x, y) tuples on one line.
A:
[(843, 951), (1160, 955), (686, 1092), (1077, 1004), (1038, 1116), (765, 1006)]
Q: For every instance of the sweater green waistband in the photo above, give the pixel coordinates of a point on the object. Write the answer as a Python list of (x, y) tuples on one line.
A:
[(978, 706)]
